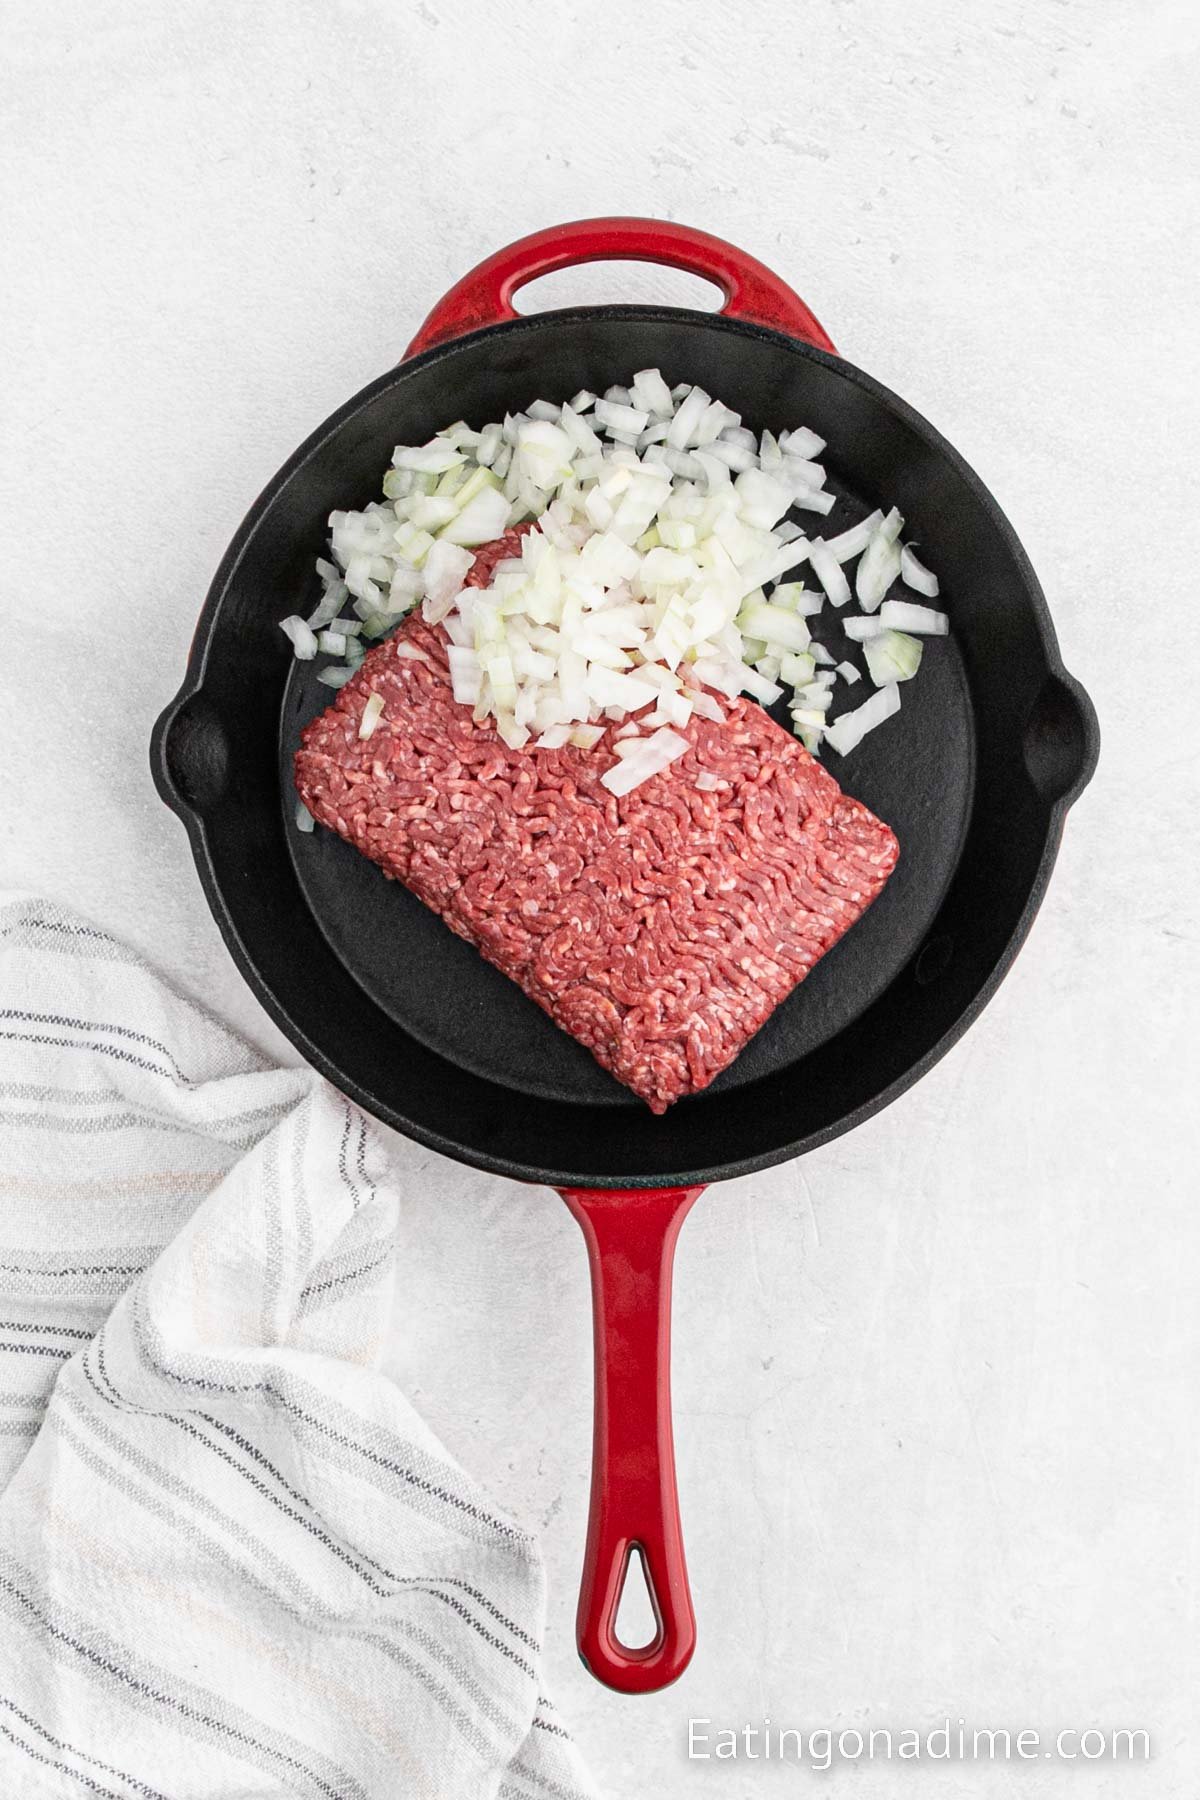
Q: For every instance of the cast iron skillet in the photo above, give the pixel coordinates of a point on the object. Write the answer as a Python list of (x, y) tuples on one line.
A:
[(975, 775)]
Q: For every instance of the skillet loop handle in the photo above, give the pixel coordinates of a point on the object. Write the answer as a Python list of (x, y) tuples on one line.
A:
[(634, 1505), (753, 293)]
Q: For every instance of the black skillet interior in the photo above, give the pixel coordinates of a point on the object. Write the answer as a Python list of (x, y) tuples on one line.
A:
[(973, 775)]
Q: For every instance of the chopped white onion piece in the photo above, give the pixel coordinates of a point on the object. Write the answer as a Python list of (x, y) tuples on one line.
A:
[(466, 674), (860, 629), (370, 715), (648, 757), (734, 456), (796, 669), (855, 540), (801, 442), (915, 575), (814, 500), (304, 819), (649, 391), (798, 599), (828, 571), (687, 418), (707, 782), (764, 691), (848, 672), (481, 519), (894, 656), (620, 417), (490, 440), (905, 615), (304, 640), (880, 563), (704, 704), (846, 733), (774, 625)]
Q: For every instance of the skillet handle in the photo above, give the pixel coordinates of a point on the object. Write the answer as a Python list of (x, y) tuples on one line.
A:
[(752, 291), (634, 1507)]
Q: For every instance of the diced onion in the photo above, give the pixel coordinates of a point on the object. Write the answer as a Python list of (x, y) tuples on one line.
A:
[(801, 442), (466, 674), (915, 575), (846, 733), (652, 585), (855, 540), (646, 758), (370, 715), (774, 625), (796, 670), (481, 519), (904, 615), (764, 691), (861, 629), (304, 819), (704, 704), (894, 656), (621, 418), (828, 571), (880, 563), (304, 639)]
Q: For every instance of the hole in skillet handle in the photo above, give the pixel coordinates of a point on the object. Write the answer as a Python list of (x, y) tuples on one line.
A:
[(622, 283), (638, 1622)]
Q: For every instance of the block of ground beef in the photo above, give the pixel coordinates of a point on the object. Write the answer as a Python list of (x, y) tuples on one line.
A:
[(661, 929)]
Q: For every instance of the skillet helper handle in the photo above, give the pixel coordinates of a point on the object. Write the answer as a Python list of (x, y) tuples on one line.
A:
[(634, 1506), (753, 293)]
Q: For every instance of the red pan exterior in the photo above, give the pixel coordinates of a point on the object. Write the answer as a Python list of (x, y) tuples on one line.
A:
[(630, 1232), (753, 293)]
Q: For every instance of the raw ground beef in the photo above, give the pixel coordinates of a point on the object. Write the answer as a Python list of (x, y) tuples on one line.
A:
[(661, 929)]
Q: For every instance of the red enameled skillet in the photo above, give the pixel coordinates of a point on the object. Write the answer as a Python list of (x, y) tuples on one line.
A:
[(975, 776)]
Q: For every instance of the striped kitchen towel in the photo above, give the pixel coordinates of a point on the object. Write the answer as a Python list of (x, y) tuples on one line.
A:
[(233, 1561)]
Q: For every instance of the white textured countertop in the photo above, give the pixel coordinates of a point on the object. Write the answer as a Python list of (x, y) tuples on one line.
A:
[(936, 1386)]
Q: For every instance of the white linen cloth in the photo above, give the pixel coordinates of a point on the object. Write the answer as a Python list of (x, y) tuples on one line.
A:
[(234, 1563)]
